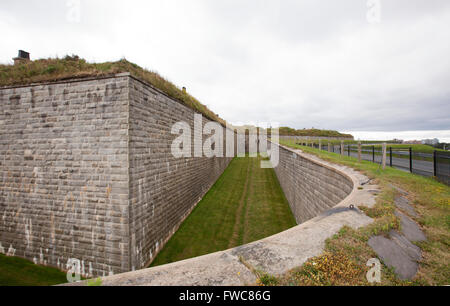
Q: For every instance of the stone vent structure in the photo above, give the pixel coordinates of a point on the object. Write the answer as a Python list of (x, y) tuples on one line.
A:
[(86, 172)]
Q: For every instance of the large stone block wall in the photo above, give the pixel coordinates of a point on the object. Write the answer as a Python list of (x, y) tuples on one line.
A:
[(86, 172), (64, 174), (310, 188), (163, 189), (282, 252)]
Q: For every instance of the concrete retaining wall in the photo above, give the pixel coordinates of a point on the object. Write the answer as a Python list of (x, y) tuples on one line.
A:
[(311, 188)]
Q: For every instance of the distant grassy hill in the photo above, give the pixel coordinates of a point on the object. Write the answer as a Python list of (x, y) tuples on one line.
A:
[(286, 131), (46, 70)]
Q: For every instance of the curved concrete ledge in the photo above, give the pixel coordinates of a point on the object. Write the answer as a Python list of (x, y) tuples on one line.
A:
[(275, 255), (311, 187)]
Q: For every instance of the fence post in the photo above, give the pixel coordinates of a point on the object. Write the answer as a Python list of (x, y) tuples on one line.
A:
[(320, 145), (435, 163), (342, 148), (329, 147), (410, 160), (390, 157), (348, 149), (373, 153), (384, 156), (359, 151)]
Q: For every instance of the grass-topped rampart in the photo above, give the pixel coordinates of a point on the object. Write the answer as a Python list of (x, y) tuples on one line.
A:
[(70, 67)]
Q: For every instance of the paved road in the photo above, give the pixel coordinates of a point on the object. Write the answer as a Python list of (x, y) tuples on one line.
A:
[(421, 167)]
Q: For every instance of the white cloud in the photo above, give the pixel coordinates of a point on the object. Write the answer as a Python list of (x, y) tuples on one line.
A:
[(301, 63)]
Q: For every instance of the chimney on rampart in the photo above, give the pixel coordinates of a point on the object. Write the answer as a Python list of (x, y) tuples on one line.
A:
[(22, 57)]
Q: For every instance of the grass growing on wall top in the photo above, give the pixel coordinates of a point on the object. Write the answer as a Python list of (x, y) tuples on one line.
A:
[(245, 204), (45, 70)]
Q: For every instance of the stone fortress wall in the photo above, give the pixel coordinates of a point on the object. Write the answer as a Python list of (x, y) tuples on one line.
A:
[(163, 189), (310, 188), (321, 203), (86, 173)]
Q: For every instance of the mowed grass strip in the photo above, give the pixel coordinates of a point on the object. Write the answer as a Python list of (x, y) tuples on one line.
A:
[(16, 271), (246, 204)]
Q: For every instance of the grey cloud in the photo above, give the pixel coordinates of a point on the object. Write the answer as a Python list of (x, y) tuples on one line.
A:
[(303, 63)]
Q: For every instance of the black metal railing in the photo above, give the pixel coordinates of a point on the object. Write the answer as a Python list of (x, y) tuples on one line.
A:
[(442, 166), (436, 164)]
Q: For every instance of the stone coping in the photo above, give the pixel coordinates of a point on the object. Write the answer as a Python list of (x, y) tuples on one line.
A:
[(275, 255)]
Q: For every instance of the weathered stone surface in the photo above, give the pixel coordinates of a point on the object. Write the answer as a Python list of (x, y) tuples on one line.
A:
[(394, 255), (410, 229), (309, 187), (62, 197), (401, 191), (86, 173), (412, 250), (403, 203), (163, 189), (217, 269), (398, 251)]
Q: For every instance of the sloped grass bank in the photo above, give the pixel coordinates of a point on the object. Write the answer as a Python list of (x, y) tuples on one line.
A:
[(246, 204), (347, 253), (16, 271)]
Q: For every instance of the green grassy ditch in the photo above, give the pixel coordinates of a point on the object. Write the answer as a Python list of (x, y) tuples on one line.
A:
[(246, 204), (16, 271)]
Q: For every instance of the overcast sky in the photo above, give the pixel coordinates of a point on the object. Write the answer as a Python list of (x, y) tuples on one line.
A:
[(302, 63)]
